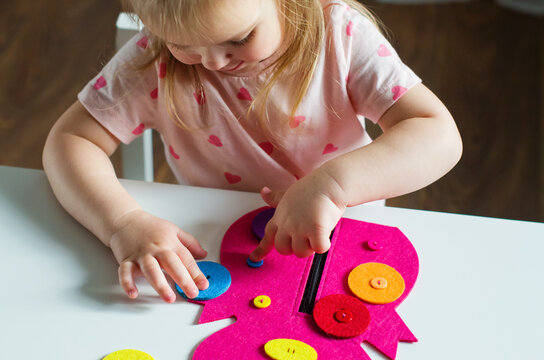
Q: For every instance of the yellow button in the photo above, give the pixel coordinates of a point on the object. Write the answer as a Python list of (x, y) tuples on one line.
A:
[(262, 301), (378, 282), (289, 349), (366, 282), (128, 354)]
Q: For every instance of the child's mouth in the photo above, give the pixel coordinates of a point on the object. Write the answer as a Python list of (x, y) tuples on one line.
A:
[(236, 67)]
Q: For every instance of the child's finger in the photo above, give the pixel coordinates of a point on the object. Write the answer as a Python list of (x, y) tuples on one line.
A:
[(195, 274), (283, 243), (126, 272), (302, 247), (272, 198), (321, 243), (192, 245), (152, 271), (265, 246), (172, 264)]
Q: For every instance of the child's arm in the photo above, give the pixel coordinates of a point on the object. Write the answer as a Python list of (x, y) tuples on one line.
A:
[(76, 161), (420, 143)]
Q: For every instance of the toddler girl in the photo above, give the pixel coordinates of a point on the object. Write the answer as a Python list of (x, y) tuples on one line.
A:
[(254, 95)]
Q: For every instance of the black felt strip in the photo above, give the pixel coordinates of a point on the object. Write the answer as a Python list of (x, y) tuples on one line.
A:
[(312, 283)]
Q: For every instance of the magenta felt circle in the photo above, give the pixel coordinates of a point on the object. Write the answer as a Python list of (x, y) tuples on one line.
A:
[(328, 308)]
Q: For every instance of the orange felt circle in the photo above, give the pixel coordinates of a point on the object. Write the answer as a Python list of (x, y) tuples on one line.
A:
[(360, 279)]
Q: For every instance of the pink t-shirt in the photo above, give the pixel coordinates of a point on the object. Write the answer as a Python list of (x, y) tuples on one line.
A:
[(358, 75)]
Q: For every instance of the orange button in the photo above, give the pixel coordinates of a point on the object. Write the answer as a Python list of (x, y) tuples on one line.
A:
[(378, 282), (366, 282)]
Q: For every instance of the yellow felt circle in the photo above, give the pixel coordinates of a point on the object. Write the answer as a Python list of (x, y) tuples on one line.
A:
[(262, 301), (128, 354), (363, 277), (289, 349)]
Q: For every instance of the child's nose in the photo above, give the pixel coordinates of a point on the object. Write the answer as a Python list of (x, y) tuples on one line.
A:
[(215, 59)]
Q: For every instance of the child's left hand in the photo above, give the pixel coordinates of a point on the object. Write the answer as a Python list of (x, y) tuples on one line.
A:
[(305, 216)]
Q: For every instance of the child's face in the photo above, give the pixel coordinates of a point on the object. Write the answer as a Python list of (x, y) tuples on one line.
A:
[(240, 34)]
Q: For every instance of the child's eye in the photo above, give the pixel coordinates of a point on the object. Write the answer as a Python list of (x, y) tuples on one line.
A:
[(244, 40)]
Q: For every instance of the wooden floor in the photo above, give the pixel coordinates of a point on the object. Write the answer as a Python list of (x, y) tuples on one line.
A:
[(486, 63)]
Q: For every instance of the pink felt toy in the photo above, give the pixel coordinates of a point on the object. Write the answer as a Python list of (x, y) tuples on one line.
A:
[(283, 280)]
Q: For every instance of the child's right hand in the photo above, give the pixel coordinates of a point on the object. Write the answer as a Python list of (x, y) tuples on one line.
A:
[(144, 245)]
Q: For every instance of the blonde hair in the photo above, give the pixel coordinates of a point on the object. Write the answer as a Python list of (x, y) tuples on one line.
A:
[(303, 29)]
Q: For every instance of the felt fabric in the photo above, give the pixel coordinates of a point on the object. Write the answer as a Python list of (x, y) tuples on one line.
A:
[(341, 315), (376, 283), (260, 220), (295, 349), (218, 277), (128, 354), (283, 279)]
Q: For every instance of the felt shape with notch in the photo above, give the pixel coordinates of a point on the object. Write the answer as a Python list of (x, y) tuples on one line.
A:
[(283, 279)]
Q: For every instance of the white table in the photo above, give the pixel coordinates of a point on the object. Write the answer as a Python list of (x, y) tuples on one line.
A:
[(479, 294)]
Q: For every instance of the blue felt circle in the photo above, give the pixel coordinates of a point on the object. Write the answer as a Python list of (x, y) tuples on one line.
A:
[(217, 275), (254, 264), (260, 220)]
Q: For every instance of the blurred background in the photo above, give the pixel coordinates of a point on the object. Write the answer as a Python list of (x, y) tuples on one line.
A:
[(484, 60)]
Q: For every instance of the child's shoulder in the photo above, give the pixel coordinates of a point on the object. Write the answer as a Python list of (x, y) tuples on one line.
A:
[(338, 12), (334, 8)]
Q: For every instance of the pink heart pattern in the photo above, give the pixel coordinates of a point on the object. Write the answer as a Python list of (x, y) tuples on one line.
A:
[(383, 51), (173, 152), (243, 94), (139, 129), (232, 179), (142, 42), (162, 70), (214, 140), (329, 148), (398, 91), (295, 121), (267, 147), (349, 28), (200, 97), (100, 83), (154, 93)]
